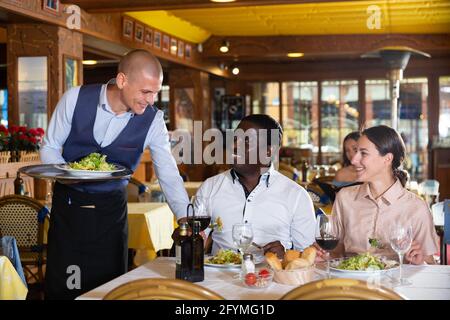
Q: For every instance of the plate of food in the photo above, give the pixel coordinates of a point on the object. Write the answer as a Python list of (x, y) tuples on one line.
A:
[(94, 165), (363, 264), (224, 259)]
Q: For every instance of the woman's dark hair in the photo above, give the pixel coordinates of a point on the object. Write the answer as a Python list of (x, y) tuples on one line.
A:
[(265, 122), (387, 140), (355, 135)]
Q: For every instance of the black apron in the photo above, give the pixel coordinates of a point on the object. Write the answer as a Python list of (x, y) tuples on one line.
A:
[(87, 241)]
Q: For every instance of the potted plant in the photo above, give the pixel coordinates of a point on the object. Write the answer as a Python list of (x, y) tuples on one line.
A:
[(24, 143)]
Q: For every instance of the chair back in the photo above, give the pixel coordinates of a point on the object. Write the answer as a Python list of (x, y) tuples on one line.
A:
[(161, 289), (137, 191), (19, 218), (341, 289)]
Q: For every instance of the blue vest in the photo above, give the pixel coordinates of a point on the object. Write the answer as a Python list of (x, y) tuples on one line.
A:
[(125, 150)]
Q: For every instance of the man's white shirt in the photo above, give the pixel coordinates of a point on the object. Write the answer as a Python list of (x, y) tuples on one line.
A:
[(278, 209)]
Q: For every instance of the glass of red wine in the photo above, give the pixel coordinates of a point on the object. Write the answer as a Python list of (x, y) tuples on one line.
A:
[(325, 237), (198, 212)]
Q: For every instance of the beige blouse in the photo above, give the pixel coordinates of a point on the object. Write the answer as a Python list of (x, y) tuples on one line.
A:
[(357, 216)]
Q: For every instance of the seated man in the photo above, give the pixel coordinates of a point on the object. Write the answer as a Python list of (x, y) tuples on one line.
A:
[(280, 211)]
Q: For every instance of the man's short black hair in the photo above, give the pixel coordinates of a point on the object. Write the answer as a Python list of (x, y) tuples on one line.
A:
[(265, 121)]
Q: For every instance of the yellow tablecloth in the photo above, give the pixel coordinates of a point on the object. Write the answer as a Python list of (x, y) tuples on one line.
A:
[(11, 286), (150, 227), (190, 186)]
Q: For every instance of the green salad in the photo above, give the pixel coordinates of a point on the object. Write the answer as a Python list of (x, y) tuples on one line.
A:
[(93, 162), (225, 257), (362, 262)]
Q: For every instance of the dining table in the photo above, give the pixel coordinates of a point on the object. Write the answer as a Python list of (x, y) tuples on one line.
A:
[(190, 186), (429, 282)]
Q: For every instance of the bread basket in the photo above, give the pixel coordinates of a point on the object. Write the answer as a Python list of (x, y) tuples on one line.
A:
[(294, 277)]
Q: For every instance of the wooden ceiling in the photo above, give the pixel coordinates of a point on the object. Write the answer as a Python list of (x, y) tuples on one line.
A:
[(261, 30)]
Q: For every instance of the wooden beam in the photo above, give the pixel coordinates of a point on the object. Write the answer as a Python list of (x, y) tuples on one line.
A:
[(146, 5), (319, 47)]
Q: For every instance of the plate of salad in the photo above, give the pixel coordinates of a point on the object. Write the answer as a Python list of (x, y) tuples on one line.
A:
[(365, 263), (94, 165), (224, 259)]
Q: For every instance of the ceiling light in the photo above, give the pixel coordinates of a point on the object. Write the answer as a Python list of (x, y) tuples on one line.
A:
[(222, 1), (89, 62), (235, 71), (295, 54), (225, 47)]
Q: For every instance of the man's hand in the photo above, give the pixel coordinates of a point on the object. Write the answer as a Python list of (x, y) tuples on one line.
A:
[(275, 247), (415, 254)]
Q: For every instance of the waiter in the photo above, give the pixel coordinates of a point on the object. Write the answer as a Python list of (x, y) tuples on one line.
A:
[(88, 235)]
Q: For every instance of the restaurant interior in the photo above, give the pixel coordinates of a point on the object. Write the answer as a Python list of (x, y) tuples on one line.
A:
[(322, 69)]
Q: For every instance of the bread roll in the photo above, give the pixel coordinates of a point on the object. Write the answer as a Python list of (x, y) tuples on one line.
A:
[(310, 254), (273, 261), (298, 264), (289, 256)]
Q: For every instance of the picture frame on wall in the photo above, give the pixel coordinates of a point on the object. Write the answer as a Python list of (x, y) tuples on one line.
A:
[(187, 51), (139, 32), (148, 37), (127, 31), (51, 6), (173, 46), (71, 71), (180, 49), (165, 43), (157, 40)]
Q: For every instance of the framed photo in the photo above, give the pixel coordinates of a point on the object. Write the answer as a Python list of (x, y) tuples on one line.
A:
[(148, 37), (180, 49), (173, 46), (165, 43), (51, 5), (127, 28), (187, 51), (71, 70), (139, 32), (157, 40)]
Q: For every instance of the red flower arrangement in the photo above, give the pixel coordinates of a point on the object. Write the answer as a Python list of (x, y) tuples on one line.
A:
[(24, 139), (4, 138)]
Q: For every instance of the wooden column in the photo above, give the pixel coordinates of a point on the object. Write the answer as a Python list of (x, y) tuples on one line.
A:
[(199, 82), (54, 42)]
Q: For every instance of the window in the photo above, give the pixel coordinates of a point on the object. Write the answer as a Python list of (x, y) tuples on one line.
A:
[(4, 107), (444, 109), (266, 99), (300, 114), (339, 115), (32, 85), (412, 126)]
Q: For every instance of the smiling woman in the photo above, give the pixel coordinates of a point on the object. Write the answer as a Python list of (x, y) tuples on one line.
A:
[(377, 162)]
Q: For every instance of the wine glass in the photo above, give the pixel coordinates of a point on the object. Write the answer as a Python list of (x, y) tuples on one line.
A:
[(400, 237), (242, 236), (325, 237), (201, 213)]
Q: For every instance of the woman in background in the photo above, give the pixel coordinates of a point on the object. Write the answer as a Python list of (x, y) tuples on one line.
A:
[(348, 173)]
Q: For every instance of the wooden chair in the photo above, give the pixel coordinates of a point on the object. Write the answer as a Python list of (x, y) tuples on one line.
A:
[(161, 289), (341, 289), (23, 218), (137, 191)]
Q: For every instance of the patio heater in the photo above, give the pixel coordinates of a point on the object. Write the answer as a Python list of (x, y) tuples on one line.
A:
[(395, 59)]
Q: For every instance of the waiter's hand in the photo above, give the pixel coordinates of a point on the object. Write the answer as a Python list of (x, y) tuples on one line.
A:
[(275, 247)]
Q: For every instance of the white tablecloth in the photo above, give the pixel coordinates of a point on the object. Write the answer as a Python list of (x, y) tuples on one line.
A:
[(428, 282)]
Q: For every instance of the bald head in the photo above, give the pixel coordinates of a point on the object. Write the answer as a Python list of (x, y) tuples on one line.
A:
[(138, 61)]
